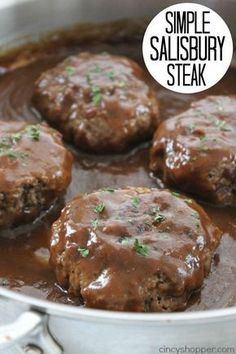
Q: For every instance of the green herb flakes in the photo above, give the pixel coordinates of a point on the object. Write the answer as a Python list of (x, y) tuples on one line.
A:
[(4, 282), (175, 194), (89, 79), (204, 148), (70, 70), (135, 201), (95, 224), (96, 69), (96, 95), (192, 127), (159, 218), (110, 75), (125, 241), (203, 137), (16, 137), (140, 248), (8, 143), (195, 215), (5, 143), (108, 189), (12, 154), (33, 132), (121, 84), (221, 124), (99, 208), (188, 201), (84, 252)]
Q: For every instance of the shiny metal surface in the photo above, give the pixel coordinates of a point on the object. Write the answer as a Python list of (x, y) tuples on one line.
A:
[(31, 327), (86, 331)]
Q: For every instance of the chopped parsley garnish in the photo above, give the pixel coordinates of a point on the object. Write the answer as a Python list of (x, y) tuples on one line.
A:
[(197, 111), (140, 248), (175, 194), (108, 189), (96, 95), (8, 143), (148, 225), (11, 153), (4, 282), (156, 215), (192, 126), (5, 143), (16, 137), (15, 154), (95, 224), (125, 241), (121, 83), (188, 201), (204, 148), (70, 70), (84, 252), (95, 90), (203, 137), (111, 75), (33, 132), (221, 124), (195, 215), (96, 69), (135, 201), (89, 79), (99, 208), (159, 217)]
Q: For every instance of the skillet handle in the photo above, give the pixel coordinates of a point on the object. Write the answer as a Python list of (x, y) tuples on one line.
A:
[(30, 333)]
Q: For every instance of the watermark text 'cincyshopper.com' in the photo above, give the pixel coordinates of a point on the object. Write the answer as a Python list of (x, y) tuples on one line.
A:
[(196, 350)]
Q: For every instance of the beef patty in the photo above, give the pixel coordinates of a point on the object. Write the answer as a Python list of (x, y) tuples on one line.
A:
[(134, 249), (100, 102), (35, 168), (196, 150)]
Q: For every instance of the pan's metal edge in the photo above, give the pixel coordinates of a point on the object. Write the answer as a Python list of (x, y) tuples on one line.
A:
[(225, 314), (70, 311)]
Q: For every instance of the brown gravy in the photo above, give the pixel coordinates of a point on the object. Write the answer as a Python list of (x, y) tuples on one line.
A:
[(24, 253)]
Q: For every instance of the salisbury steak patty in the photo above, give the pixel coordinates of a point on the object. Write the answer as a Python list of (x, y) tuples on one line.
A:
[(100, 102), (196, 150), (133, 249), (34, 169)]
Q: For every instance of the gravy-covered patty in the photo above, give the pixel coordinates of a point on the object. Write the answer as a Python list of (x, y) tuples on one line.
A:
[(100, 102), (196, 150), (134, 249), (35, 168)]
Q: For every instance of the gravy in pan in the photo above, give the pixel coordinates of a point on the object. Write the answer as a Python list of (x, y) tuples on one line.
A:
[(24, 252)]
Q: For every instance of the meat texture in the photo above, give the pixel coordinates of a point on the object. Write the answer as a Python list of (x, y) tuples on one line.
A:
[(134, 249)]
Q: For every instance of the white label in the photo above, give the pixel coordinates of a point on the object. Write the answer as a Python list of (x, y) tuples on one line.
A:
[(187, 48)]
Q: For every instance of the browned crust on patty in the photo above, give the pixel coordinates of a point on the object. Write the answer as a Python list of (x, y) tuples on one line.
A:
[(35, 168), (196, 150)]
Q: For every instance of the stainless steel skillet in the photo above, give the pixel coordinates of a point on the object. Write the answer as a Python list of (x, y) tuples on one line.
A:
[(46, 327)]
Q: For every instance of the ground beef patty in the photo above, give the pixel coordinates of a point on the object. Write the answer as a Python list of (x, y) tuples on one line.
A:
[(196, 150), (35, 168), (100, 102), (134, 249)]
